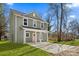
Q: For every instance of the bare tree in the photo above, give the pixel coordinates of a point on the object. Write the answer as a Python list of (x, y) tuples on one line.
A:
[(3, 22), (59, 11), (74, 28), (54, 9), (49, 20)]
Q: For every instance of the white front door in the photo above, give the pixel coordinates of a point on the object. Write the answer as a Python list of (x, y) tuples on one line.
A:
[(34, 37)]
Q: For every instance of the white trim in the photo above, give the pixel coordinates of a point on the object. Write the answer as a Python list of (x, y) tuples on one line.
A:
[(24, 37), (47, 37), (27, 29), (40, 36), (40, 24), (23, 21), (43, 25), (35, 30), (30, 18), (35, 23), (34, 40), (37, 20), (29, 34), (35, 37), (15, 28)]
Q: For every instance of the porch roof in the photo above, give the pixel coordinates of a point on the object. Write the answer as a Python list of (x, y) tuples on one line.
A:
[(34, 29)]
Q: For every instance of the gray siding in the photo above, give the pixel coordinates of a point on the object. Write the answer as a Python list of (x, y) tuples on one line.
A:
[(38, 38), (30, 22), (30, 38), (38, 24), (45, 26), (12, 27), (44, 37), (20, 32)]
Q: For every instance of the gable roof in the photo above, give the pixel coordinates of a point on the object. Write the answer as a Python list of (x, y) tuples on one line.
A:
[(31, 15), (34, 15)]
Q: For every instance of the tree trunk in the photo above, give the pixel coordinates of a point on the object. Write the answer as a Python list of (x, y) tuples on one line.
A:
[(61, 18), (57, 16), (57, 30)]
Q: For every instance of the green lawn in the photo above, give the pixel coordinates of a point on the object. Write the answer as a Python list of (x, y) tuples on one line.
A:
[(12, 49), (73, 43)]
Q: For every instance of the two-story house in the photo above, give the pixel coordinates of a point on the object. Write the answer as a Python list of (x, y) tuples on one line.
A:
[(25, 28)]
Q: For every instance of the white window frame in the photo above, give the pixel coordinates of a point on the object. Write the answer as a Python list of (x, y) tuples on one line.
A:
[(41, 24), (28, 33), (33, 24), (27, 21)]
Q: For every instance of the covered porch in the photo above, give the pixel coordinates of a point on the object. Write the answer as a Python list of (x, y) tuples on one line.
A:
[(35, 35)]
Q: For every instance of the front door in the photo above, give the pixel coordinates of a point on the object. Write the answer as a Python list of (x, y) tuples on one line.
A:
[(34, 37)]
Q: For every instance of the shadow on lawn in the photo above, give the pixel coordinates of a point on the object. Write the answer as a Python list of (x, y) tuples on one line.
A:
[(10, 46), (30, 51)]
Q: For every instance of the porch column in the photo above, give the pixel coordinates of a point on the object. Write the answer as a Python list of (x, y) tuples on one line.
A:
[(35, 37), (15, 29), (24, 41), (40, 36), (47, 37)]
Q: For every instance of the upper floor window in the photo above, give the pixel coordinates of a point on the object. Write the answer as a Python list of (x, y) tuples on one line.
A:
[(25, 22), (42, 25), (34, 23)]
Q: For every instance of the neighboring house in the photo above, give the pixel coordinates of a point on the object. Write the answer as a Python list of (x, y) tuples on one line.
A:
[(25, 28), (6, 36)]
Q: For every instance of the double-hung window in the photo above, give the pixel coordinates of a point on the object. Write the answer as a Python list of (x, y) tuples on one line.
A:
[(42, 25), (25, 22), (27, 34), (34, 24)]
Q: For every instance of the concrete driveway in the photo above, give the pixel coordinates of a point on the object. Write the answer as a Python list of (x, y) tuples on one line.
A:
[(54, 48)]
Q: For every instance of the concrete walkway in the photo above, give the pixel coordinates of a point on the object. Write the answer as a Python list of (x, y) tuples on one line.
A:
[(54, 48)]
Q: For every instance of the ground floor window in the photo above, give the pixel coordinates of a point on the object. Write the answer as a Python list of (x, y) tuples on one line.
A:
[(27, 34)]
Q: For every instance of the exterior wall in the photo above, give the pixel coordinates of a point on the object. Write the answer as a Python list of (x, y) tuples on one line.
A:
[(30, 22), (42, 39), (20, 31), (45, 26), (44, 36), (38, 38), (38, 24), (30, 38), (12, 27)]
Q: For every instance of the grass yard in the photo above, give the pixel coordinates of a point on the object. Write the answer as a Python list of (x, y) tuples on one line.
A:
[(73, 43), (12, 49)]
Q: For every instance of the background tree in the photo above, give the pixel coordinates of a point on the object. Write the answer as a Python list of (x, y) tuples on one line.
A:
[(59, 13), (3, 22), (49, 20), (74, 28)]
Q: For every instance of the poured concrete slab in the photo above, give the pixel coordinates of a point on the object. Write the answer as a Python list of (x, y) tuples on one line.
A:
[(53, 47)]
